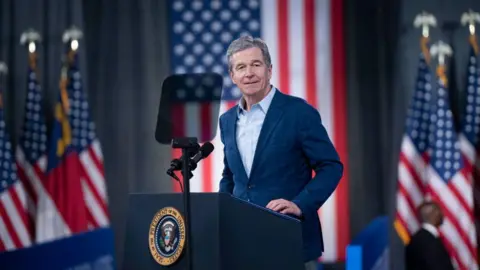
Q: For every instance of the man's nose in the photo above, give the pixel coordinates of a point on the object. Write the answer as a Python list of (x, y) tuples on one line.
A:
[(249, 72)]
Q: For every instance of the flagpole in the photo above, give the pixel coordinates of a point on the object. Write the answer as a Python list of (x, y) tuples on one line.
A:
[(31, 38), (425, 20), (70, 37), (470, 18), (3, 73)]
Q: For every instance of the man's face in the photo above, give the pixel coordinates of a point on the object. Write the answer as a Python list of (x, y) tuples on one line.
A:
[(249, 71)]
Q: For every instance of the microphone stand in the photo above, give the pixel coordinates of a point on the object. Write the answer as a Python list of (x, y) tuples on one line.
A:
[(187, 144)]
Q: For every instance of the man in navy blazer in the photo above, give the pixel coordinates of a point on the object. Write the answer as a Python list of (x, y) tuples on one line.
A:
[(272, 142)]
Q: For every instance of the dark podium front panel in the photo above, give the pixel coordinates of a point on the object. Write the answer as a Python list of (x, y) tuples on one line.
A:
[(226, 233)]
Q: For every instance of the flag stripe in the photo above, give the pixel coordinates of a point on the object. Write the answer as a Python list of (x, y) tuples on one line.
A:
[(296, 49), (17, 209), (95, 204), (310, 66), (340, 123), (95, 173), (458, 236), (405, 213), (6, 242), (452, 207), (96, 212), (30, 191), (10, 219), (283, 45), (269, 30)]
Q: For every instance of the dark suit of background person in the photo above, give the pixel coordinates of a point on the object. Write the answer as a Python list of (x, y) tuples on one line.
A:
[(276, 171), (426, 251)]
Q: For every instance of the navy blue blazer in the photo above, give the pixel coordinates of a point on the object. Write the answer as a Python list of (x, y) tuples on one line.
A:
[(292, 142)]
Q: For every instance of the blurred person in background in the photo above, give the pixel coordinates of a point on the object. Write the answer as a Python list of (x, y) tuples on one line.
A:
[(426, 251)]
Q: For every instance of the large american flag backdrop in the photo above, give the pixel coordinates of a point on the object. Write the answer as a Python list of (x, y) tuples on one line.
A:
[(306, 45), (433, 166)]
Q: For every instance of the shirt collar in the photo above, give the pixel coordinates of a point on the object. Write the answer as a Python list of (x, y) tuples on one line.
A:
[(432, 229), (264, 104)]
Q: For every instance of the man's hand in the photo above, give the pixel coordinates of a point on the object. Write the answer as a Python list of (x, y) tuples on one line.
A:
[(284, 207)]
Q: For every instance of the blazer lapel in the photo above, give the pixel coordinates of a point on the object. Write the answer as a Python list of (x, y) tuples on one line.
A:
[(232, 126), (274, 114)]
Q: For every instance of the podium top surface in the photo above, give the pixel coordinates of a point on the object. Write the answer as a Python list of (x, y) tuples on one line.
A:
[(212, 196)]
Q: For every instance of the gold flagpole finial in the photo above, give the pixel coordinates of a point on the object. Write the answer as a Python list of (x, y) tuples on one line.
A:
[(470, 18), (30, 38), (425, 20), (442, 50), (72, 35)]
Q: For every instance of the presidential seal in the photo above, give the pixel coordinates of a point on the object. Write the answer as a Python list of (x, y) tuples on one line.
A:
[(166, 238)]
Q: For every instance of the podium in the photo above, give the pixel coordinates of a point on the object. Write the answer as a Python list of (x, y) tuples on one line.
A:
[(226, 233)]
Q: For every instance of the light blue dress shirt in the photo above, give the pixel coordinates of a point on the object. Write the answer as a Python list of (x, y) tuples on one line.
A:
[(249, 125)]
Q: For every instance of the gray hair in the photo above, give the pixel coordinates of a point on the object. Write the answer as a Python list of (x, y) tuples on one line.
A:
[(247, 42)]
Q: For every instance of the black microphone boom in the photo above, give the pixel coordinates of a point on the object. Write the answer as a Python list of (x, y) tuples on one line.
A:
[(203, 152), (176, 164)]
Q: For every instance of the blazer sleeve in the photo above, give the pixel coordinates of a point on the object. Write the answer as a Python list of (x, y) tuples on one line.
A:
[(226, 183), (322, 158)]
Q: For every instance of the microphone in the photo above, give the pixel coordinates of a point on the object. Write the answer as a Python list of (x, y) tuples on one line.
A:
[(203, 152), (176, 164)]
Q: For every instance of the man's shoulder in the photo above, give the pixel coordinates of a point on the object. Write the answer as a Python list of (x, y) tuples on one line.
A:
[(299, 106), (295, 102), (422, 235), (228, 113)]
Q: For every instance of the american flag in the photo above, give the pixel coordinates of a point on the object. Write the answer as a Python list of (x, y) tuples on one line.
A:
[(15, 226), (88, 147), (31, 155), (470, 131), (450, 182), (305, 40), (414, 152)]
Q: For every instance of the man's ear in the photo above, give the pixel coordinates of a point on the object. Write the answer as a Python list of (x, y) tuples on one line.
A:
[(232, 77)]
